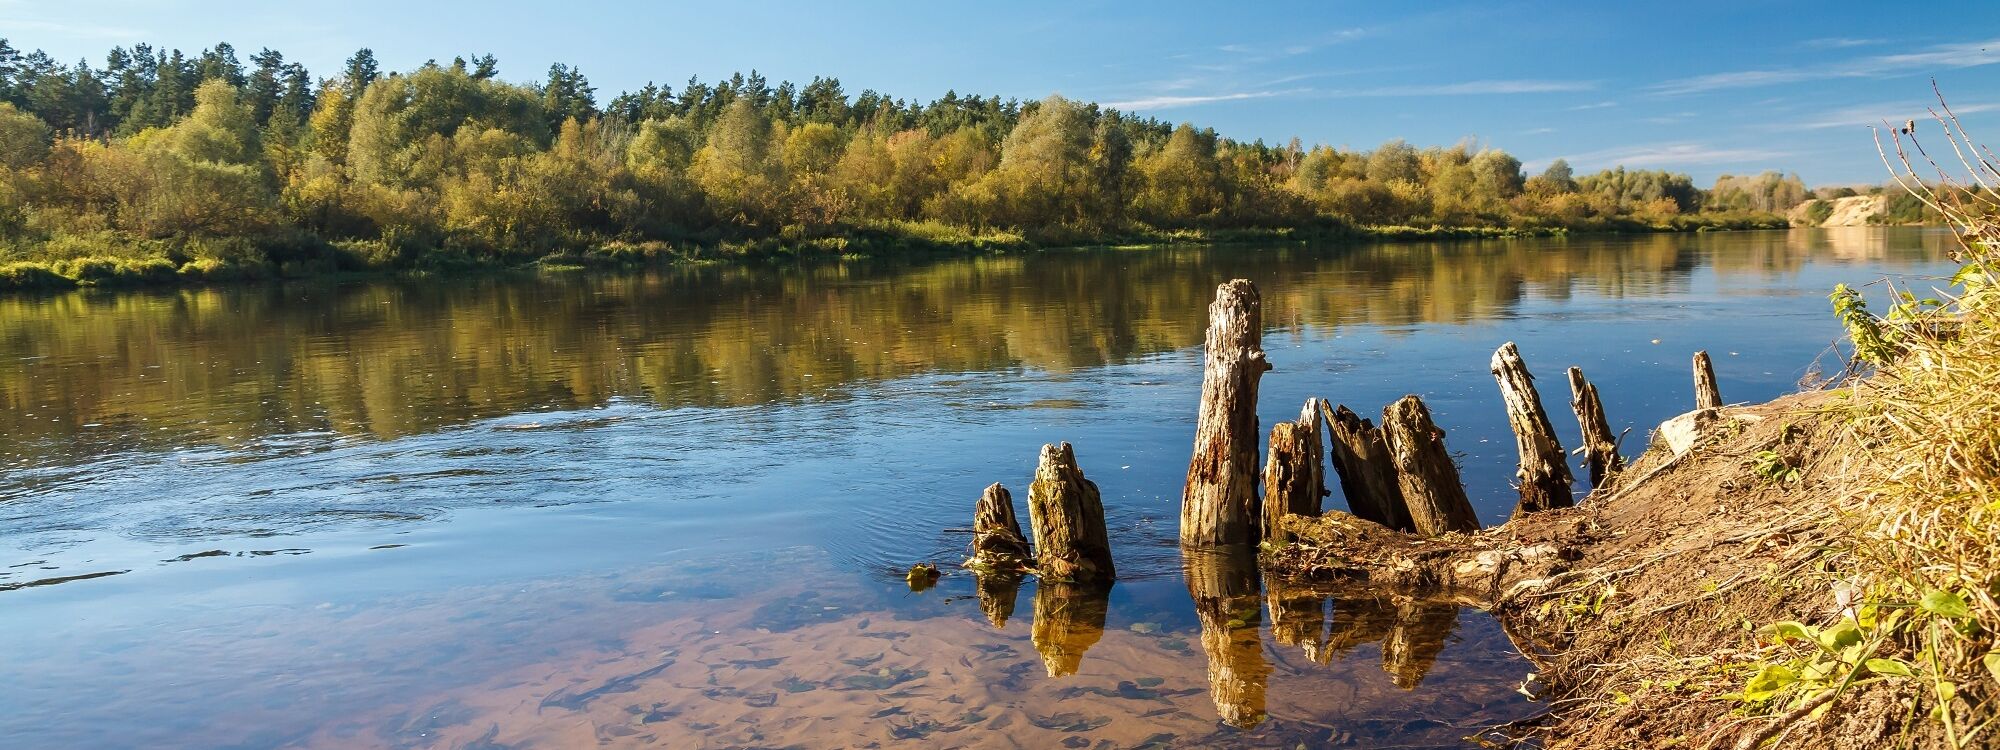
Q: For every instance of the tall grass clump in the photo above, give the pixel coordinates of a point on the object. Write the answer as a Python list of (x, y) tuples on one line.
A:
[(1922, 428)]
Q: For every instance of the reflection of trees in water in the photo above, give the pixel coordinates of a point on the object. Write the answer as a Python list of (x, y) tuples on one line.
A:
[(1069, 619), (392, 359)]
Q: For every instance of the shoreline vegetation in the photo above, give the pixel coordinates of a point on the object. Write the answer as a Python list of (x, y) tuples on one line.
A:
[(164, 265), (160, 167)]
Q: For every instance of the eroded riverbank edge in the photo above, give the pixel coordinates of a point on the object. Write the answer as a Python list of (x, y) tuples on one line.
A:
[(1640, 607)]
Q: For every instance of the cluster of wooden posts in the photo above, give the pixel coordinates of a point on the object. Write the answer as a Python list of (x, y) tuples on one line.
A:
[(1398, 475)]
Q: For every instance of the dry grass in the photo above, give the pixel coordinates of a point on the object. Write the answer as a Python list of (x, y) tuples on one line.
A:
[(1923, 507)]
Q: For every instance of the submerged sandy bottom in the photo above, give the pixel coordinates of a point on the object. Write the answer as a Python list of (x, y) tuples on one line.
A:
[(799, 666)]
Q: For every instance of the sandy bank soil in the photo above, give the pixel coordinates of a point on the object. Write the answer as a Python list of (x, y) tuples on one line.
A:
[(1852, 211)]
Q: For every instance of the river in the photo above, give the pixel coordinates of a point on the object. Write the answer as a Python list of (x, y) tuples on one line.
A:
[(673, 508)]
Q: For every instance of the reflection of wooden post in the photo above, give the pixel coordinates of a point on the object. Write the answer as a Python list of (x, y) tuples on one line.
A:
[(1544, 472), (1298, 617), (1068, 516), (997, 592), (1367, 475), (1424, 471), (1293, 482), (1600, 448), (1219, 503), (1224, 587), (1706, 394), (1413, 645), (1356, 621), (996, 533), (1069, 619)]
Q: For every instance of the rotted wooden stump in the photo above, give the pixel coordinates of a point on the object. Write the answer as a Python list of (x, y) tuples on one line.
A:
[(1000, 554), (1219, 503), (1600, 447), (1544, 467), (1428, 479), (997, 543), (1294, 481), (1068, 516), (1367, 475), (1706, 394)]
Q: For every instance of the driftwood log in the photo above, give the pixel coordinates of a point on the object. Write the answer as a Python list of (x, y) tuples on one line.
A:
[(1219, 503), (1226, 603), (1600, 447), (1367, 474), (1293, 479), (1544, 467), (1068, 516), (1424, 471), (1706, 394)]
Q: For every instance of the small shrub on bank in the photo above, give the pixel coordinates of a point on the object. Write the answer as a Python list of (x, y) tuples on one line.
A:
[(32, 276), (118, 271)]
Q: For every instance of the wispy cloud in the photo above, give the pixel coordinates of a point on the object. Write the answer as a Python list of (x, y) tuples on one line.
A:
[(84, 30), (1672, 155), (1473, 88), (1876, 114), (1267, 52), (1943, 56), (1598, 105), (1170, 102), (1538, 131), (1839, 43)]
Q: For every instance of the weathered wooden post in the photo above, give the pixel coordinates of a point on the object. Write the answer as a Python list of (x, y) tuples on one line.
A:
[(1219, 503), (1223, 584), (1293, 480), (1367, 474), (1069, 619), (1544, 469), (1706, 394), (997, 543), (1428, 479), (1600, 447), (1068, 515)]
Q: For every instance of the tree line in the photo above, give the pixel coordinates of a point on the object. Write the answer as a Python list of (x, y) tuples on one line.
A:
[(176, 159)]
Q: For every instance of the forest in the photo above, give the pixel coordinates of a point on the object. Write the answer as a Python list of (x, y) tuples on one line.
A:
[(161, 166)]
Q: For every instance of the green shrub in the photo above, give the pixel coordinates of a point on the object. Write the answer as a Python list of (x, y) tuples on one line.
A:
[(118, 271), (213, 270), (28, 276)]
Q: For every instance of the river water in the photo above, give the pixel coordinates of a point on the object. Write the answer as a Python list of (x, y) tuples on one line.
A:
[(672, 509)]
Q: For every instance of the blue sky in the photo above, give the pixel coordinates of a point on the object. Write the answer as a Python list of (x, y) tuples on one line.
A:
[(1700, 87)]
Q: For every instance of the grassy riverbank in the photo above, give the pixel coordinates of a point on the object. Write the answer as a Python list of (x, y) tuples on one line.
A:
[(111, 261)]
